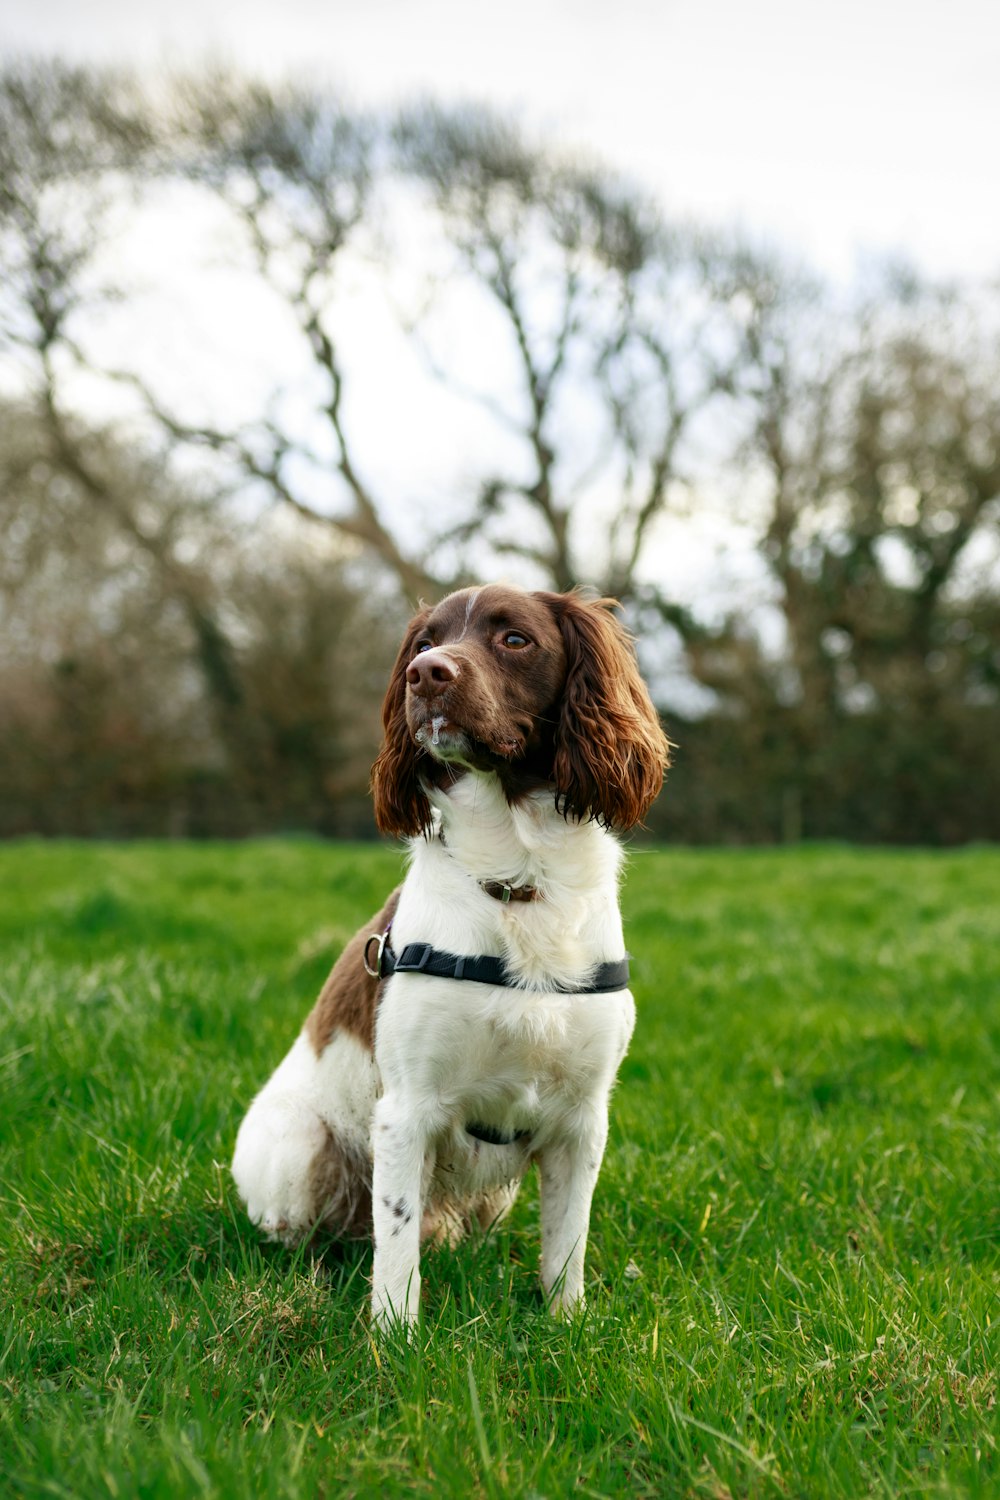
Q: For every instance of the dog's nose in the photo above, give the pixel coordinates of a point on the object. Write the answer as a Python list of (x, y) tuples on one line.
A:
[(431, 673)]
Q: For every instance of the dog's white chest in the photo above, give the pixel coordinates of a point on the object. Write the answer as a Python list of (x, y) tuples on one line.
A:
[(513, 1065)]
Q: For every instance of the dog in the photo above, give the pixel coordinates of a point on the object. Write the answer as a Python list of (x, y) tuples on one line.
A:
[(477, 1024)]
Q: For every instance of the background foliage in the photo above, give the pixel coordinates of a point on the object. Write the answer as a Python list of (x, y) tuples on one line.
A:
[(212, 528)]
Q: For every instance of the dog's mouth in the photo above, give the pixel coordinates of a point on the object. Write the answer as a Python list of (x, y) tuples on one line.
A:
[(439, 734), (445, 740)]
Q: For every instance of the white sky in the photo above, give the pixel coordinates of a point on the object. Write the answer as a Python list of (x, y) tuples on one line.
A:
[(835, 129)]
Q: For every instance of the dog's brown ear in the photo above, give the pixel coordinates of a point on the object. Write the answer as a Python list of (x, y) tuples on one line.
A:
[(611, 753), (401, 808)]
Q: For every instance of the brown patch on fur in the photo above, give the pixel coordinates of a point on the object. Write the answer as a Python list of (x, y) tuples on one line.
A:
[(348, 999), (611, 752), (401, 807), (446, 1221), (342, 1190)]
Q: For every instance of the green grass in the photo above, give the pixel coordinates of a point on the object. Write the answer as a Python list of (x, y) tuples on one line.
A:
[(793, 1271)]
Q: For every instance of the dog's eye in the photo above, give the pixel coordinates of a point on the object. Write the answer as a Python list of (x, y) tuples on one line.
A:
[(515, 641), (424, 645)]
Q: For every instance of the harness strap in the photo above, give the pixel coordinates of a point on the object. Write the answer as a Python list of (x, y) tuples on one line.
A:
[(421, 958), (494, 1137)]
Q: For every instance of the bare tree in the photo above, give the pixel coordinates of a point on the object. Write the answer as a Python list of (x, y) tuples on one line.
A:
[(629, 373), (93, 518), (619, 343), (66, 137), (614, 331), (295, 170), (114, 715), (68, 140), (879, 448), (872, 460)]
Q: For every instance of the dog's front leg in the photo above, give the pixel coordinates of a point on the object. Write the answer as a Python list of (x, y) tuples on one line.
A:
[(400, 1154), (569, 1169)]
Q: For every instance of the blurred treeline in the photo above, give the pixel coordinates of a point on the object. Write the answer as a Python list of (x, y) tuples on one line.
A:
[(427, 350)]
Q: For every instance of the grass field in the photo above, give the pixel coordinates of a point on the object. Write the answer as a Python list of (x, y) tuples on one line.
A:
[(793, 1273)]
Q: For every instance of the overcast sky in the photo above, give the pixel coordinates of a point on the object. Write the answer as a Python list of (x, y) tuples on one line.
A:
[(835, 129)]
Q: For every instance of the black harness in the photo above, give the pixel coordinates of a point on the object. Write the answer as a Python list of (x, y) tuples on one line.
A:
[(421, 958)]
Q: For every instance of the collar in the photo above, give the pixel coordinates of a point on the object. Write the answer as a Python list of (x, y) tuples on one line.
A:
[(502, 890)]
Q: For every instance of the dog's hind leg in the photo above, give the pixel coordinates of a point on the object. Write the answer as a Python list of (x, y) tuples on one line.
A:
[(294, 1170)]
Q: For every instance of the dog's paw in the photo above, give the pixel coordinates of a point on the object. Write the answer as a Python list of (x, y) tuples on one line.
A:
[(565, 1301), (274, 1168), (391, 1319)]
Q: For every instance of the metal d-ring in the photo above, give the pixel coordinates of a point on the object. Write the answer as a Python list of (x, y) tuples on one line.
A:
[(381, 938)]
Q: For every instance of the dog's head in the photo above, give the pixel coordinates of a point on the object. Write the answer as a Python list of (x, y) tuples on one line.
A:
[(541, 688)]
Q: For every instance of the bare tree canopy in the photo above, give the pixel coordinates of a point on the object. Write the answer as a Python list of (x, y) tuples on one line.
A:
[(405, 352)]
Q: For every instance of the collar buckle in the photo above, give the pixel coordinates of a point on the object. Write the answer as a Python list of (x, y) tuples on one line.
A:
[(505, 893)]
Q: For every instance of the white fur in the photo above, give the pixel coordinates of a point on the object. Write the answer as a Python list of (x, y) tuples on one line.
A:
[(287, 1125), (449, 1053)]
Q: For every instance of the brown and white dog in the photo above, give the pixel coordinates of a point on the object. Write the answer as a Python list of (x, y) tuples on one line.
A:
[(484, 1031)]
